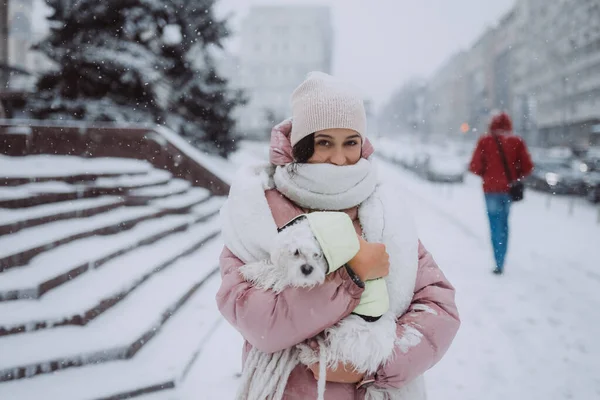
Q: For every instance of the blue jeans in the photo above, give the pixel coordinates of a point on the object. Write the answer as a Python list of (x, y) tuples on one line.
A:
[(498, 209)]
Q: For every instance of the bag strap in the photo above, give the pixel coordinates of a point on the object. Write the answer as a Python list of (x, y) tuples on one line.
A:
[(503, 157)]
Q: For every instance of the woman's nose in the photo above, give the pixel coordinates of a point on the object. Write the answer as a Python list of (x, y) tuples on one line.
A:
[(338, 158)]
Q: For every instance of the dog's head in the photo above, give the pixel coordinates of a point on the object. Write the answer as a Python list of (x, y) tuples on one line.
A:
[(299, 254)]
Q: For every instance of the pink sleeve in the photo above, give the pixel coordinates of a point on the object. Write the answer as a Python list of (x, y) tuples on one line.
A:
[(272, 322), (426, 330)]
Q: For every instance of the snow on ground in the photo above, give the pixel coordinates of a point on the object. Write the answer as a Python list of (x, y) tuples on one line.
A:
[(530, 334), (39, 166)]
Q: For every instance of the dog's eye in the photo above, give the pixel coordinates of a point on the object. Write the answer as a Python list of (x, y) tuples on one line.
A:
[(297, 253), (316, 255)]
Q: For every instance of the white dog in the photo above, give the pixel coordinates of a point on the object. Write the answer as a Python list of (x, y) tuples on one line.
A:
[(297, 260)]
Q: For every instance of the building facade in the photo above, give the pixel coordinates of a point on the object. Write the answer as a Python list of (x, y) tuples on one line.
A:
[(562, 79), (279, 46), (404, 112), (445, 106), (541, 63), (26, 24)]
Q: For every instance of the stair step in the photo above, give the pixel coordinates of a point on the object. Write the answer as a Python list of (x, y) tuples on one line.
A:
[(124, 329), (164, 394), (33, 194), (17, 249), (41, 168), (56, 266), (79, 301), (182, 202), (50, 269), (128, 182), (28, 189), (173, 187), (214, 203), (12, 221), (155, 370)]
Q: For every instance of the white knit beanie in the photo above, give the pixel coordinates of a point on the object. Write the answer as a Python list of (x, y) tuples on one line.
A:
[(323, 102)]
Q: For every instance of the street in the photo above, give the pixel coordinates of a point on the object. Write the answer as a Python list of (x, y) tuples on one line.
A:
[(530, 334)]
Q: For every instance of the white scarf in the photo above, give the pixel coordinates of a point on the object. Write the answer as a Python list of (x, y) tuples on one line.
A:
[(248, 229), (326, 186)]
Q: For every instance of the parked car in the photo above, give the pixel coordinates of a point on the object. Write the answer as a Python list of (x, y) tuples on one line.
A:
[(438, 166), (417, 162), (445, 169), (558, 177), (592, 182), (590, 163)]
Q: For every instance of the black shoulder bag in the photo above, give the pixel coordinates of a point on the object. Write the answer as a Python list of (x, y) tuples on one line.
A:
[(516, 188)]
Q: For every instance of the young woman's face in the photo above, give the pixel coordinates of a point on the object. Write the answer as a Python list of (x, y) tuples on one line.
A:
[(336, 146)]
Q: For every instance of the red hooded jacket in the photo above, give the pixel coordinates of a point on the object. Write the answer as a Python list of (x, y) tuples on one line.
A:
[(487, 163)]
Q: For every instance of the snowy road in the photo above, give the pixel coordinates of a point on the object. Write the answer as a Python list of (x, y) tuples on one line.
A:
[(530, 334)]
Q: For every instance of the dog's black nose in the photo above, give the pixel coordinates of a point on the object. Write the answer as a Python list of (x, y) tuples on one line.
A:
[(306, 269)]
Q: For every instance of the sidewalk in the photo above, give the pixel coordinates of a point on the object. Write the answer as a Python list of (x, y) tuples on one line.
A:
[(530, 334)]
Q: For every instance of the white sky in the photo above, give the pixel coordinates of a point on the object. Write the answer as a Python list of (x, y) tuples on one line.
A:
[(378, 44)]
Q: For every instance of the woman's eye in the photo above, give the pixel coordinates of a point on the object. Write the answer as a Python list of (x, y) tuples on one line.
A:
[(351, 143), (324, 143)]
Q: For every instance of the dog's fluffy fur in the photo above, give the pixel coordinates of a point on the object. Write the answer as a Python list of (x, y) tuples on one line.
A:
[(295, 249), (365, 345)]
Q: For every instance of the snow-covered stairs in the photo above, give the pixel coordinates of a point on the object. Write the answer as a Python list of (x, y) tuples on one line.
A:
[(105, 267), (13, 220)]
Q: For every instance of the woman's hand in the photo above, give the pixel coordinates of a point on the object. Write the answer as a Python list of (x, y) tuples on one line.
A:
[(344, 373), (371, 262)]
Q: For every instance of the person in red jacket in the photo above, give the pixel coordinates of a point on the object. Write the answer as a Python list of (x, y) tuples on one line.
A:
[(487, 163)]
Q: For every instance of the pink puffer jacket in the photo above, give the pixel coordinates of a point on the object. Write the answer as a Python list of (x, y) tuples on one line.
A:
[(274, 322)]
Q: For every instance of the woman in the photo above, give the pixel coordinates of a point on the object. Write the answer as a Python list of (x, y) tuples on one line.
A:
[(497, 154), (320, 162)]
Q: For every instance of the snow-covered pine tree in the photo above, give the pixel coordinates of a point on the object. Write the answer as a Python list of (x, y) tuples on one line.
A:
[(201, 99), (130, 61)]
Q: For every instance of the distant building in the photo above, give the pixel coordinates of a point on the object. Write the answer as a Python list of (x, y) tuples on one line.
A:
[(404, 112), (560, 87), (3, 42), (26, 26), (541, 63), (279, 46), (446, 108)]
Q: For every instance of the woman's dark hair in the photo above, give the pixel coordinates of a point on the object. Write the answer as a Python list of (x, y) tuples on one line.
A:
[(302, 152), (304, 149)]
